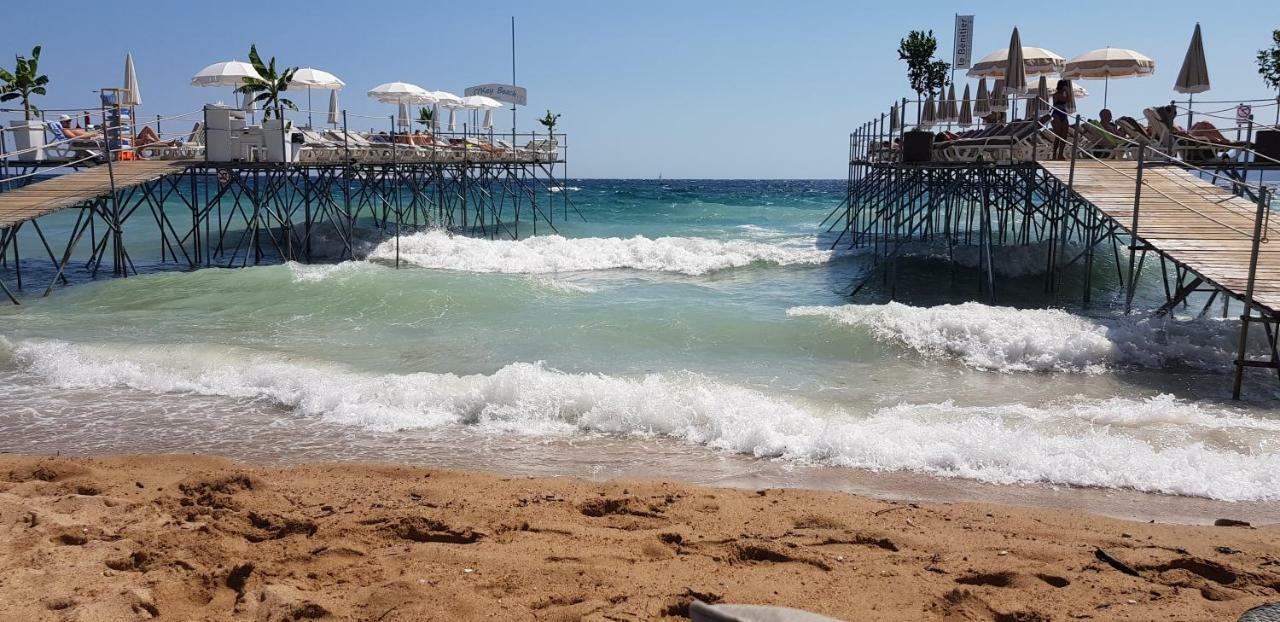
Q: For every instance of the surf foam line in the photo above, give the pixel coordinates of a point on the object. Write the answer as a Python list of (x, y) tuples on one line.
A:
[(1159, 444), (1040, 340), (554, 253)]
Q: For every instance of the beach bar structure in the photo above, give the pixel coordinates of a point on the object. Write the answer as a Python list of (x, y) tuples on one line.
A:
[(1195, 212), (259, 204)]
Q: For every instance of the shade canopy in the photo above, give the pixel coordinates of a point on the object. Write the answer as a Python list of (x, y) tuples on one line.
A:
[(1109, 63), (480, 102), (1194, 75), (132, 93), (231, 73), (964, 117), (313, 78), (334, 113), (447, 99), (982, 103), (1035, 61), (1015, 71), (397, 92)]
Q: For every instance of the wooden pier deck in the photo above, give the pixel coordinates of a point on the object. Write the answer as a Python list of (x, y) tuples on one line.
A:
[(45, 197), (1191, 221)]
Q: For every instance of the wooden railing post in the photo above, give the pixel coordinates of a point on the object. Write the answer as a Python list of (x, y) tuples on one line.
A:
[(1264, 203), (1133, 231)]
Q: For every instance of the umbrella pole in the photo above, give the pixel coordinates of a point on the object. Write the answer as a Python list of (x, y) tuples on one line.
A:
[(1190, 97), (308, 106), (1106, 84)]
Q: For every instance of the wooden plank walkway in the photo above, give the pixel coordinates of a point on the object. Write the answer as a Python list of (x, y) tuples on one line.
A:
[(1191, 221), (45, 197)]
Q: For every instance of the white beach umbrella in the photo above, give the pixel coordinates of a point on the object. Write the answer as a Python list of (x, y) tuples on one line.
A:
[(982, 103), (231, 73), (312, 78), (1035, 61), (487, 104), (132, 92), (396, 92), (334, 113), (447, 99), (964, 117), (1109, 63)]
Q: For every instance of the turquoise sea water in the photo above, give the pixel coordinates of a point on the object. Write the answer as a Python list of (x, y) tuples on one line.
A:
[(686, 327)]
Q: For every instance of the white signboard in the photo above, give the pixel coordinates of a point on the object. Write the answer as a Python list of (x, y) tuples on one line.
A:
[(962, 56), (508, 93), (1244, 114)]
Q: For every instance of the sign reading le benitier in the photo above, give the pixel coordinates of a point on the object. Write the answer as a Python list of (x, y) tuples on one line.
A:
[(963, 52), (508, 93)]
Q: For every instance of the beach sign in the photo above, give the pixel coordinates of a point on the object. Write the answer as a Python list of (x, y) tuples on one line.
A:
[(508, 93), (962, 55)]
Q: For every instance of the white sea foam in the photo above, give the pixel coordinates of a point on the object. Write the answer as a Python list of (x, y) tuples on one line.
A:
[(1008, 339), (316, 273), (553, 253), (1158, 444)]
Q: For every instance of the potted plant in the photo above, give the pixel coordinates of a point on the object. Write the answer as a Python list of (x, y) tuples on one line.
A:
[(926, 75), (1267, 142), (268, 92), (549, 121), (425, 117), (24, 82)]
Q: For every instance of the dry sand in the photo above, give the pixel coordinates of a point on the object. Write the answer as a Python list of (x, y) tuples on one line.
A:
[(197, 538)]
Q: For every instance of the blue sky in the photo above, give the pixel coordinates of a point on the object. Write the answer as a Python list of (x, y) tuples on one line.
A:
[(749, 89)]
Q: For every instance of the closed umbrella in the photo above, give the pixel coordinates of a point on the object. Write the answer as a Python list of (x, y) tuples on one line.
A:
[(950, 111), (982, 105), (334, 114), (964, 118), (231, 73), (1039, 102), (312, 78), (894, 122), (132, 93), (1194, 76), (1108, 63), (249, 103), (927, 114), (402, 119), (1015, 73), (999, 103)]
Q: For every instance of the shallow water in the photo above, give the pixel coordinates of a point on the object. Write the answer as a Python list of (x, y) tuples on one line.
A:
[(694, 329)]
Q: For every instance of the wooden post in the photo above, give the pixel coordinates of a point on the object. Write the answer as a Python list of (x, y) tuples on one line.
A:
[(1264, 201), (1133, 231)]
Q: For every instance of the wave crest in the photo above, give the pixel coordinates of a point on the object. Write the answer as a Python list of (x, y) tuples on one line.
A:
[(554, 253), (1159, 444)]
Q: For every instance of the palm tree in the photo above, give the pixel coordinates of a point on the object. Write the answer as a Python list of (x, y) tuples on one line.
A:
[(426, 116), (270, 87), (24, 82), (549, 121)]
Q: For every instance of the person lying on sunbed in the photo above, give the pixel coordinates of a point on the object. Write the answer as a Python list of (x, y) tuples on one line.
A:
[(149, 137), (70, 130), (1107, 122)]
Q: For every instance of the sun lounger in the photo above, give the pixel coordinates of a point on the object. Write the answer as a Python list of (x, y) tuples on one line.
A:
[(1182, 144), (1014, 141), (190, 146), (77, 148)]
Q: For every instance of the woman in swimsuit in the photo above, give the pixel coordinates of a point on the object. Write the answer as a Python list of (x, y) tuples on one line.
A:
[(1061, 97)]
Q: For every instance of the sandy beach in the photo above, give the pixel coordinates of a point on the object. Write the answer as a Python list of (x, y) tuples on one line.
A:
[(204, 538)]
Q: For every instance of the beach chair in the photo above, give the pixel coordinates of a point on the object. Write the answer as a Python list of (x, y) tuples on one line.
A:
[(80, 147), (1101, 144), (545, 150), (189, 147), (1014, 141), (1181, 143)]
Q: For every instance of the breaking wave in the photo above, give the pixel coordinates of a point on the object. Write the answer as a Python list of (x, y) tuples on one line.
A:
[(1157, 444), (1008, 339), (553, 253)]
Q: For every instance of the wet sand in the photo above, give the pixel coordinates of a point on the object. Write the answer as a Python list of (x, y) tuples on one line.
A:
[(202, 538)]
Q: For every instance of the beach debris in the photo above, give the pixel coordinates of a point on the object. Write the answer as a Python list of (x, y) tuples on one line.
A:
[(1115, 563), (1230, 522)]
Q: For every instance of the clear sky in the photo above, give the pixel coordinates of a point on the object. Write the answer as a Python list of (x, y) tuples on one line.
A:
[(714, 89)]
